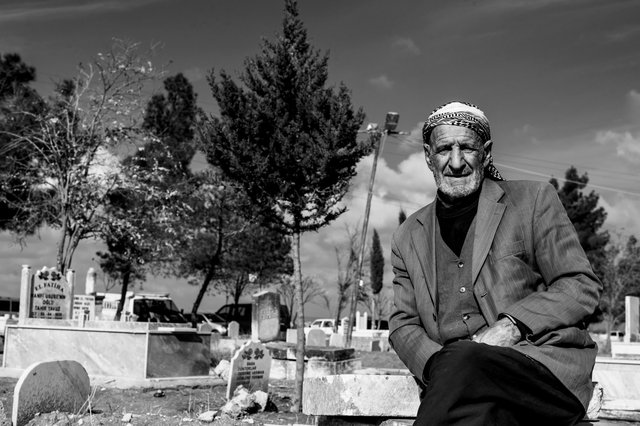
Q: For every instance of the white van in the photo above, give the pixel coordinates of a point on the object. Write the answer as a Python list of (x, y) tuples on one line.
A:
[(140, 307)]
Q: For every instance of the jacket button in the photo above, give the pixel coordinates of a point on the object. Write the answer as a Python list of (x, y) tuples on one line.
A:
[(466, 317), (463, 289), (460, 264)]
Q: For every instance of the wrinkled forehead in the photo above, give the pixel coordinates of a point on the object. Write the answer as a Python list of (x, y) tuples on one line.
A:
[(460, 114)]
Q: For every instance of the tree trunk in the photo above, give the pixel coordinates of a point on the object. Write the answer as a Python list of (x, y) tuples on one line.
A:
[(200, 296), (123, 294), (297, 274)]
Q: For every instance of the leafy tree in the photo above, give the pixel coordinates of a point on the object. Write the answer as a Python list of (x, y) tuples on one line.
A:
[(312, 292), (72, 168), (586, 216), (621, 269), (402, 216), (19, 105), (132, 234), (289, 140), (172, 120)]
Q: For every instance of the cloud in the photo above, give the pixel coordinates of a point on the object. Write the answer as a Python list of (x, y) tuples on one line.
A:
[(382, 82), (622, 34), (408, 187), (627, 145), (406, 45), (623, 214), (61, 9), (194, 74)]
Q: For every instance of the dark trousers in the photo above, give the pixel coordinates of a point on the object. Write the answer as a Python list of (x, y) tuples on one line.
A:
[(476, 384)]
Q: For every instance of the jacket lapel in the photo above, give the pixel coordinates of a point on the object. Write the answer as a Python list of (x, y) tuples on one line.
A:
[(423, 241), (488, 218)]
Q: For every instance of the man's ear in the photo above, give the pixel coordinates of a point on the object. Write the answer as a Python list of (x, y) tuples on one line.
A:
[(427, 155), (487, 152)]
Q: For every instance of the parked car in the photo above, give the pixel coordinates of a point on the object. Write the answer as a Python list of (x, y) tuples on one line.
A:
[(241, 313), (324, 324), (217, 323)]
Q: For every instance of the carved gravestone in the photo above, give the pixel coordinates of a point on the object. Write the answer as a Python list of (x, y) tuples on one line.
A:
[(84, 307), (316, 337), (51, 295), (265, 316), (250, 367)]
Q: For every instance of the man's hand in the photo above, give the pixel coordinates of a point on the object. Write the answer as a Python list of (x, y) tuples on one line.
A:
[(502, 333)]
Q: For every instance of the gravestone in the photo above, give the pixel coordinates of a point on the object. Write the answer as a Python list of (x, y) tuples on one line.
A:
[(51, 294), (265, 316), (292, 335), (632, 318), (90, 281), (84, 307), (250, 367), (316, 337), (234, 330), (49, 386)]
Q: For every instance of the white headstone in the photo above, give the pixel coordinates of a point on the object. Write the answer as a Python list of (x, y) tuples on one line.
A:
[(25, 293), (90, 282), (265, 316), (292, 335), (234, 330), (84, 307), (250, 367), (52, 294), (357, 320), (49, 386), (316, 337), (631, 318), (364, 322)]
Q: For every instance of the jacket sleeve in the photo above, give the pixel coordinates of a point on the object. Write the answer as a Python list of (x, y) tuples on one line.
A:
[(408, 336), (572, 289)]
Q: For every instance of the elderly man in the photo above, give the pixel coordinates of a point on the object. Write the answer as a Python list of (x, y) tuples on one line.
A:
[(491, 290)]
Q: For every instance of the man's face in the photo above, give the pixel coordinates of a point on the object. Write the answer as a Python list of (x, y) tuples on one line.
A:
[(457, 158)]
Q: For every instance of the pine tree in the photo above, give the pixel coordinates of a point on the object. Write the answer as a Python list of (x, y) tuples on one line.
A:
[(402, 216), (289, 140), (586, 216), (377, 264)]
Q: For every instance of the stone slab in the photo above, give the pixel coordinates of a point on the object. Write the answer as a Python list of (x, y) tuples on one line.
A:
[(178, 355), (620, 378), (115, 353), (284, 369), (265, 316), (361, 395), (49, 386), (283, 350), (624, 350)]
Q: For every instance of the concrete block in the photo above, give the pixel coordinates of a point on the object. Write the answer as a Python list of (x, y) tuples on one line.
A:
[(285, 369), (283, 350), (49, 386)]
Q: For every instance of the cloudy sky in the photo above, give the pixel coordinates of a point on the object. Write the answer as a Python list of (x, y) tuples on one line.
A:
[(558, 79)]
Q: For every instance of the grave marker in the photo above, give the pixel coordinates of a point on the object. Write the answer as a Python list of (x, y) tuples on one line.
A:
[(316, 337), (632, 318), (250, 367), (234, 330), (84, 307), (49, 386), (51, 295), (265, 316)]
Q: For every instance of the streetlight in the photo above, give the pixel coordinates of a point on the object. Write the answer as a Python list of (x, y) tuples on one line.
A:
[(378, 138)]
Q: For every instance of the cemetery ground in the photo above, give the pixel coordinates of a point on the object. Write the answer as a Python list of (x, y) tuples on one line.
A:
[(181, 405)]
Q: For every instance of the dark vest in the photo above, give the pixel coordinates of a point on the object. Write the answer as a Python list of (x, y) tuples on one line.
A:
[(459, 316)]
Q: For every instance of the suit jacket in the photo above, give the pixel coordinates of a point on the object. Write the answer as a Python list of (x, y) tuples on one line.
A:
[(527, 262)]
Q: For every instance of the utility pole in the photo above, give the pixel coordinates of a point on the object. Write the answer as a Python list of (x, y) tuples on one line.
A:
[(378, 139)]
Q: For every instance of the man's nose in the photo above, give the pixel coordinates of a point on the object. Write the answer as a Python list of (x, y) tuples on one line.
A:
[(456, 161)]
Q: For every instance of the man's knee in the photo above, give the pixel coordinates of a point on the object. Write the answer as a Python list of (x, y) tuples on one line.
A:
[(462, 358)]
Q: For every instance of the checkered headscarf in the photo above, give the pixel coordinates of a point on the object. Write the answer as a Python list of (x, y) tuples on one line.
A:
[(466, 115)]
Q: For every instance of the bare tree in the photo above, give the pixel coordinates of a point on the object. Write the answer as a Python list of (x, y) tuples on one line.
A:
[(312, 292)]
